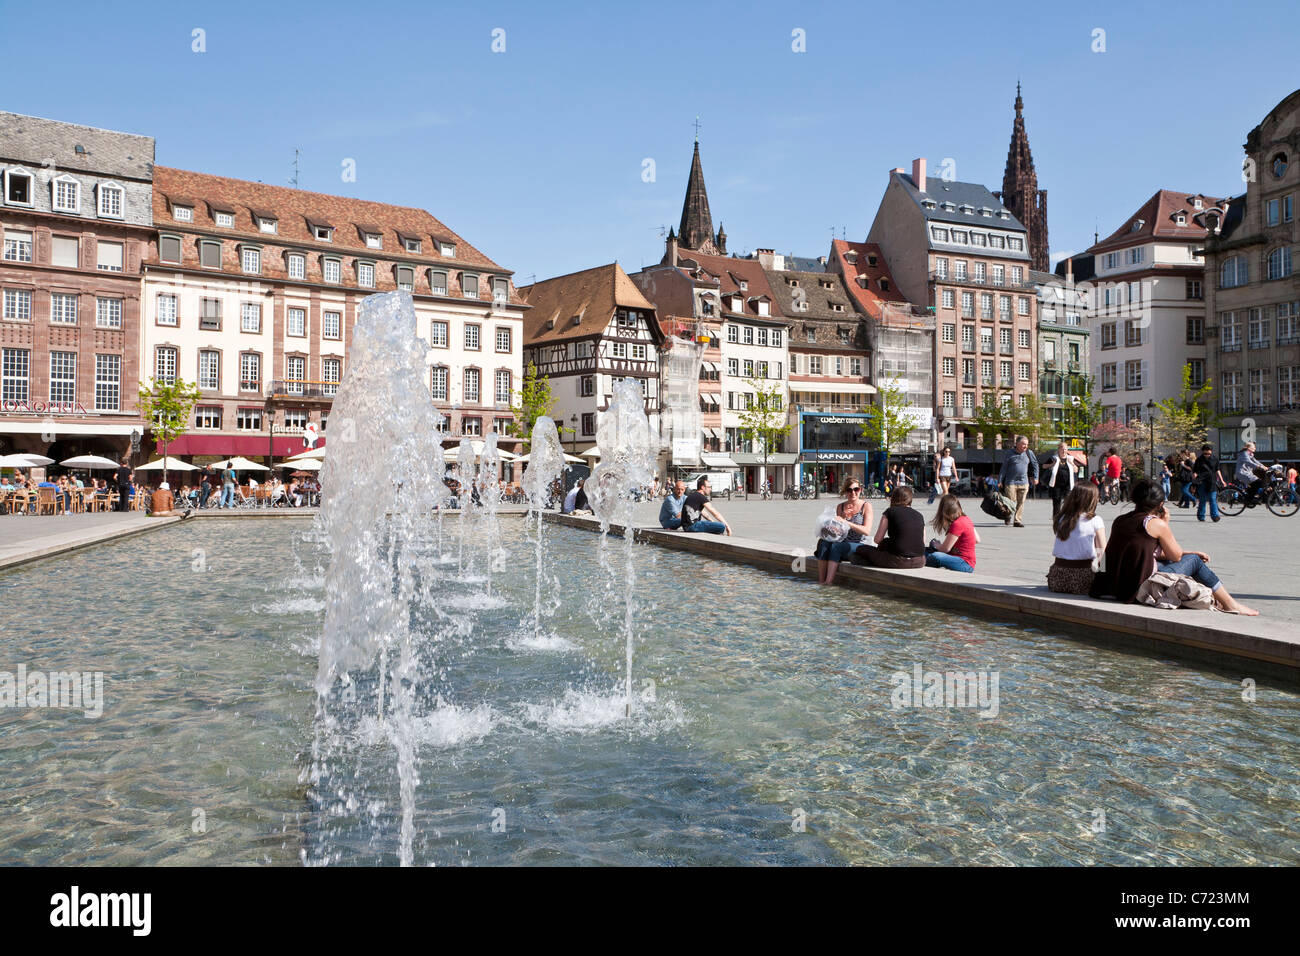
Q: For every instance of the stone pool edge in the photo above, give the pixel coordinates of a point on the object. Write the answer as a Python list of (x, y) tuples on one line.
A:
[(1005, 598), (88, 539)]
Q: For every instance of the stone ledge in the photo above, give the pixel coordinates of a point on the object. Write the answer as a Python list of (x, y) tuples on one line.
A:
[(75, 541), (1219, 638)]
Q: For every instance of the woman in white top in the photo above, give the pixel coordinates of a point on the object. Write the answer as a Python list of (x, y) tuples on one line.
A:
[(1080, 537), (1059, 478), (946, 470)]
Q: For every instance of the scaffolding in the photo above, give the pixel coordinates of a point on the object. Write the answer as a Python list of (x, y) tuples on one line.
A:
[(902, 344), (679, 420)]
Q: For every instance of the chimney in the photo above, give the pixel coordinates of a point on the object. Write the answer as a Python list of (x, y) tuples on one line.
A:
[(918, 173), (1069, 270), (766, 257)]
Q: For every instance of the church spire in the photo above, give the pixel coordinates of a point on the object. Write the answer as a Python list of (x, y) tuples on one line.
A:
[(1020, 192), (696, 229)]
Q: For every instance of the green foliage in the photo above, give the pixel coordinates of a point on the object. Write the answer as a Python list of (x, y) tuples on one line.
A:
[(1184, 421), (995, 417), (888, 419), (765, 421), (534, 399), (1082, 413), (168, 407)]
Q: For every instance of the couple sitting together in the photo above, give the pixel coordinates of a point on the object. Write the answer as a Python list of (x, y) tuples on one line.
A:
[(693, 512)]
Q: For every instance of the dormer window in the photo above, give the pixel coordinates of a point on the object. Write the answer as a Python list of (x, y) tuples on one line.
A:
[(793, 283), (763, 308), (884, 285), (18, 187), (469, 285), (447, 250), (1181, 219), (412, 245), (66, 194), (267, 225), (947, 206), (929, 203), (744, 286), (438, 283), (1137, 224), (323, 233), (1196, 203), (183, 213), (871, 259), (374, 240), (966, 209), (111, 200), (225, 220), (1003, 214), (985, 211), (824, 283)]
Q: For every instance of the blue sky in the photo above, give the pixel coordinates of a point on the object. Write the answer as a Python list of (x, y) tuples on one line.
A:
[(536, 154)]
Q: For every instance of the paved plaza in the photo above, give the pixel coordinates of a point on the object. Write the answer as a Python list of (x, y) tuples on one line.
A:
[(1251, 552)]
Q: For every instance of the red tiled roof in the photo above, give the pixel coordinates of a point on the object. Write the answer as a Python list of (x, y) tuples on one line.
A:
[(592, 295), (1158, 221), (729, 272), (867, 299)]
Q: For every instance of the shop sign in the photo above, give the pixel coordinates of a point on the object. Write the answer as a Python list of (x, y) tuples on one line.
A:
[(12, 406)]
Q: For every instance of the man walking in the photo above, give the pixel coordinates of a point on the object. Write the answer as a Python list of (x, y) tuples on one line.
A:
[(696, 507), (229, 480), (124, 486), (1019, 471), (1208, 479), (670, 512)]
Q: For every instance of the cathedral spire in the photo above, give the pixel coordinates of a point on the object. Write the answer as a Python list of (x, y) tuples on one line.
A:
[(696, 229), (1020, 192)]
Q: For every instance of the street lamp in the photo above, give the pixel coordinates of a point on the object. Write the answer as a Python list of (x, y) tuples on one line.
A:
[(1151, 424), (573, 420), (817, 459)]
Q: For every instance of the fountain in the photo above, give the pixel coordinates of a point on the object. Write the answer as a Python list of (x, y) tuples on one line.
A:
[(545, 465), (627, 462)]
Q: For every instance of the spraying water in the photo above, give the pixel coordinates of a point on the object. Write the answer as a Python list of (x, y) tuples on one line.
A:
[(545, 465), (627, 464), (489, 496), (465, 476)]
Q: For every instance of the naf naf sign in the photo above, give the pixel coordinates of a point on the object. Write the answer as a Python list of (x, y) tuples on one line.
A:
[(835, 456)]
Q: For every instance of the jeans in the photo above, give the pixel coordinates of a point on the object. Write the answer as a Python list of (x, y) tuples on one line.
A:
[(672, 524), (708, 527), (836, 551), (1193, 566), (939, 559), (1206, 492), (1164, 484), (204, 491), (1018, 494), (66, 498), (227, 496)]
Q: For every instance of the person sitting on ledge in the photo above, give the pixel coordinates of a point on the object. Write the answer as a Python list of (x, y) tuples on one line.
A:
[(695, 509), (670, 512), (576, 500), (900, 539), (956, 551), (854, 514), (1079, 536), (1141, 543)]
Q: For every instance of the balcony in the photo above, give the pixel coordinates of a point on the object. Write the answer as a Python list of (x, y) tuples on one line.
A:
[(1006, 348), (1259, 343), (1260, 409), (308, 391), (948, 411), (987, 381), (1075, 366), (986, 348), (968, 380), (1006, 383), (1288, 340), (1230, 347)]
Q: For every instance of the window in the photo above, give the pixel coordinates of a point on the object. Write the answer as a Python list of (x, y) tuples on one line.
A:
[(1196, 372), (1288, 323), (638, 352), (1272, 212), (502, 387), (1108, 382), (589, 423), (248, 419), (438, 335), (967, 402), (502, 425), (968, 337), (1257, 329), (447, 250), (210, 315), (331, 375), (472, 385), (295, 367), (814, 365), (733, 334), (999, 274), (1288, 386), (63, 309), (749, 368), (183, 213), (986, 371), (332, 270), (500, 291), (1024, 371), (1231, 391), (323, 233), (296, 323), (332, 325), (748, 335), (960, 270), (250, 317), (207, 416), (67, 195), (762, 336), (948, 298), (855, 368), (1234, 272), (1279, 263), (108, 383), (1004, 308), (225, 220), (374, 241), (968, 305), (503, 340), (295, 420), (949, 366), (1194, 289), (250, 372), (810, 335), (18, 188), (438, 283), (110, 201), (1004, 341), (1022, 305), (108, 313), (438, 382), (1023, 338), (1230, 332), (405, 278), (411, 245), (1108, 335), (986, 305), (733, 366), (587, 386), (209, 369), (1279, 165), (1016, 243), (949, 332), (1260, 389), (1133, 333), (469, 286), (297, 266), (18, 305), (15, 368), (1288, 208), (164, 365), (981, 273), (471, 336), (1135, 374), (63, 377), (961, 237), (169, 248), (366, 274), (941, 266), (1136, 255), (108, 256), (210, 255), (18, 246)]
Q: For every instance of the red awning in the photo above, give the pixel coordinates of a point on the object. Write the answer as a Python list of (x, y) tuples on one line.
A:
[(227, 446)]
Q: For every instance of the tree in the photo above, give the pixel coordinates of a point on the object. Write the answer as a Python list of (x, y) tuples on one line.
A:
[(765, 421), (994, 418), (1126, 439), (1082, 414), (889, 419), (1184, 421), (1032, 420), (534, 400), (168, 406)]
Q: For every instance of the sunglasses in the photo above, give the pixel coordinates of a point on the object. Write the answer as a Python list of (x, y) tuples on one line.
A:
[(854, 491)]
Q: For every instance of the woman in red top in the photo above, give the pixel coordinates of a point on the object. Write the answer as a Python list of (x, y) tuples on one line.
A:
[(956, 551)]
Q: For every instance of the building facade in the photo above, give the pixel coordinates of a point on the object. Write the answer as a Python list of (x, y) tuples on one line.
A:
[(953, 247), (1063, 355), (1148, 308), (251, 291), (1252, 295), (584, 332), (77, 221)]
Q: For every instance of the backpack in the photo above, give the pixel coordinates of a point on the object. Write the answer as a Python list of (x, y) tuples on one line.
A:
[(995, 506)]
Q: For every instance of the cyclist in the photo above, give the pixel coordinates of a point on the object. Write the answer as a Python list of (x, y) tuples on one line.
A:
[(1114, 466), (1246, 472)]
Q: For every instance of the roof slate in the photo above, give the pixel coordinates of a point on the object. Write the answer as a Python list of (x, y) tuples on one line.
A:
[(592, 295), (33, 140)]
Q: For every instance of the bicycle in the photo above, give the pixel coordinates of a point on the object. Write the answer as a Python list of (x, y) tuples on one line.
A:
[(791, 493), (765, 492), (1275, 494)]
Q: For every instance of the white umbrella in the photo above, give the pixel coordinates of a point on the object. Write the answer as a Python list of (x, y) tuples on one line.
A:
[(240, 464), (307, 464), (23, 461), (88, 461), (173, 464), (318, 454), (477, 445), (592, 452), (567, 457)]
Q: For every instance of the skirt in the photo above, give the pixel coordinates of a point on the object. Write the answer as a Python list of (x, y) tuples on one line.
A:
[(1067, 576)]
